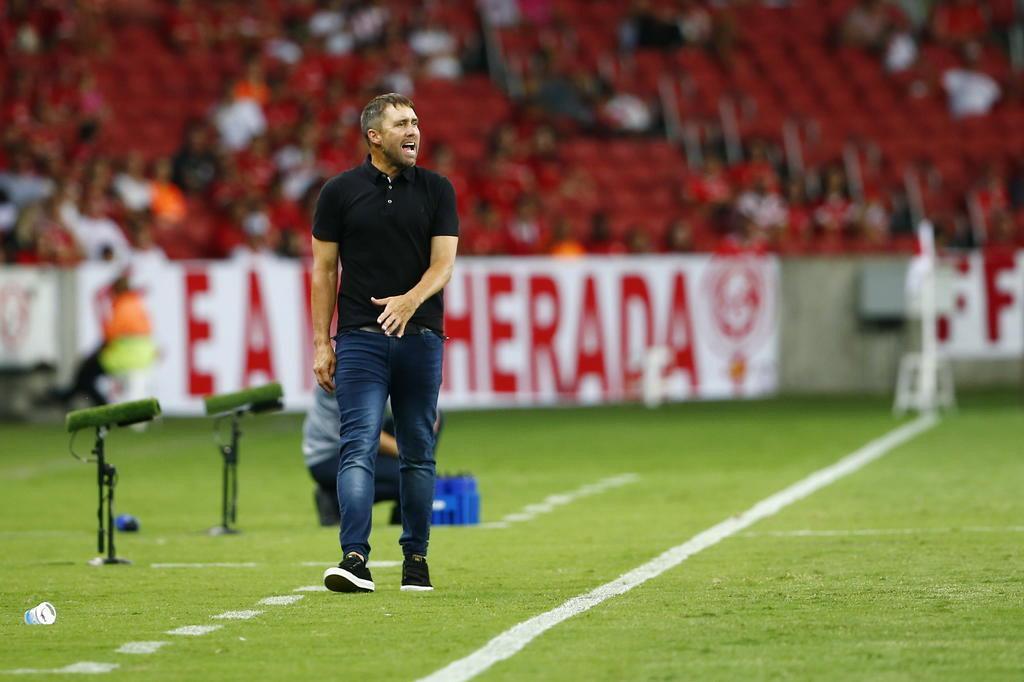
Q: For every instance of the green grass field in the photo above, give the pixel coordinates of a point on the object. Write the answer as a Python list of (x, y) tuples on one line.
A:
[(919, 577)]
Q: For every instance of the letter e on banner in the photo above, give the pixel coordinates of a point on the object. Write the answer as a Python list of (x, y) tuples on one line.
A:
[(196, 282), (501, 330)]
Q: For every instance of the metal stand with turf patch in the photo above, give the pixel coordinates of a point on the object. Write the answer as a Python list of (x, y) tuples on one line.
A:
[(235, 405), (102, 418)]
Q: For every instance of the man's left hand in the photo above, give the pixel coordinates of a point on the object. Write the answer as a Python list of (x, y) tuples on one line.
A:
[(398, 310)]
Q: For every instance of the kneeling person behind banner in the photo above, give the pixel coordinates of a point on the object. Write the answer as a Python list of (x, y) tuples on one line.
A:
[(321, 448)]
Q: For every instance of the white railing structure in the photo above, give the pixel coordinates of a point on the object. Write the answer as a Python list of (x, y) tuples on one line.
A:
[(793, 148), (731, 131), (924, 382), (670, 109)]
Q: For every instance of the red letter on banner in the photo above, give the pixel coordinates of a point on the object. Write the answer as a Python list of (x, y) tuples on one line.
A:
[(459, 329), (634, 288), (199, 383), (590, 356), (680, 323), (542, 336), (996, 298), (497, 285), (258, 357)]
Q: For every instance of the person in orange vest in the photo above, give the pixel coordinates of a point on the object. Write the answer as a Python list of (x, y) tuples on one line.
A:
[(127, 344)]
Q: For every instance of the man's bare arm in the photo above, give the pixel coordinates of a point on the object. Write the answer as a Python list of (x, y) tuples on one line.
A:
[(323, 295)]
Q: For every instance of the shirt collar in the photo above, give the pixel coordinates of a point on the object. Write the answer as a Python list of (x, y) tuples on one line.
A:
[(371, 171)]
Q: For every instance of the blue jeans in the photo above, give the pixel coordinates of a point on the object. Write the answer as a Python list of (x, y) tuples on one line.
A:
[(370, 367)]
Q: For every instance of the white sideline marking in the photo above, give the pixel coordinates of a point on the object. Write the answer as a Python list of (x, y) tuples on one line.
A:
[(510, 642), (247, 564), (82, 667), (551, 502), (311, 588), (194, 630), (140, 647), (880, 531), (237, 615), (283, 600)]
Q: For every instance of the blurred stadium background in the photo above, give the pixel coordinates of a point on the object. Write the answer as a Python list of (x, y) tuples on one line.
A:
[(662, 201)]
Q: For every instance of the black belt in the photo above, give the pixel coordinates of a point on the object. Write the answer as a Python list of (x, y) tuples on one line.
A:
[(410, 328)]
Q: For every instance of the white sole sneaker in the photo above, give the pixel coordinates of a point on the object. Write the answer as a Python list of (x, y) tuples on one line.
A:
[(417, 588), (339, 580)]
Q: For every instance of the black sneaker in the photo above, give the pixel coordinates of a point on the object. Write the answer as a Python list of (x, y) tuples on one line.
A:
[(415, 575), (326, 507), (351, 575)]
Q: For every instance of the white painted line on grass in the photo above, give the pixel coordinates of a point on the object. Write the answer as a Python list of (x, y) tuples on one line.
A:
[(311, 588), (194, 630), (81, 668), (552, 502), (246, 564), (283, 600), (237, 615), (879, 531), (140, 647), (510, 642)]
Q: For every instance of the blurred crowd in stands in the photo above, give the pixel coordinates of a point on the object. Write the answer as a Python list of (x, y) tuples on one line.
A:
[(188, 129)]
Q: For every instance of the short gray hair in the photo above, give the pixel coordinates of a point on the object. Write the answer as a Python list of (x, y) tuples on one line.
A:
[(374, 110)]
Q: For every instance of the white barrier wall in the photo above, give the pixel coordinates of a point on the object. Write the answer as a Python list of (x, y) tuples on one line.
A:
[(29, 316), (522, 331)]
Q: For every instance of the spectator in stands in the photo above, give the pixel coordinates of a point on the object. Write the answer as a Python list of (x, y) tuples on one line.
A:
[(195, 163), (834, 213), (56, 245), (8, 213), (22, 182), (601, 239), (526, 229), (131, 185), (971, 91), (436, 48), (766, 212), (799, 218), (870, 221), (253, 85), (92, 108), (487, 237), (563, 243), (958, 22), (868, 25), (627, 113), (638, 240), (238, 120), (97, 235), (679, 237), (650, 27), (168, 201)]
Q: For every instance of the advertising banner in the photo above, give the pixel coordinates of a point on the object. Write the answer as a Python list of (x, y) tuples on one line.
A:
[(28, 317), (521, 331)]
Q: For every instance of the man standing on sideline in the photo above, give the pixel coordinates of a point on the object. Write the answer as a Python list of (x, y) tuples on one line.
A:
[(395, 229)]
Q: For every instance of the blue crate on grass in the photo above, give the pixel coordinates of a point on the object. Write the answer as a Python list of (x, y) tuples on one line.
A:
[(456, 501)]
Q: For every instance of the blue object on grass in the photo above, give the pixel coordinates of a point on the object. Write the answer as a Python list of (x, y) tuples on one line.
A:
[(456, 501), (126, 523)]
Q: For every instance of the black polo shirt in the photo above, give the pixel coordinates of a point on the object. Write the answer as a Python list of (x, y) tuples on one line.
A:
[(383, 229)]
